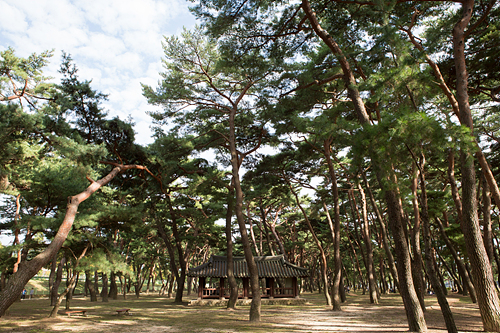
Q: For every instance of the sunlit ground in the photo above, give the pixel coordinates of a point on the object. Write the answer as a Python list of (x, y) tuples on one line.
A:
[(152, 313)]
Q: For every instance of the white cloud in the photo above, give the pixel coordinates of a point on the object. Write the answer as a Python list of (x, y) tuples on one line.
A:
[(116, 43), (13, 19)]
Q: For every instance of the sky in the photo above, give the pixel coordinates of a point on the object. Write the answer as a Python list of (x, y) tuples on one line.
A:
[(114, 43)]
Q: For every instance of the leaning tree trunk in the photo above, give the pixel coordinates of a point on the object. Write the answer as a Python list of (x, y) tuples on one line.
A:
[(430, 257), (55, 309), (29, 269), (482, 275), (414, 312), (462, 271)]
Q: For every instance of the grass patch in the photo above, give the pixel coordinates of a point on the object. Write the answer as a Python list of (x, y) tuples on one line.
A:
[(152, 313)]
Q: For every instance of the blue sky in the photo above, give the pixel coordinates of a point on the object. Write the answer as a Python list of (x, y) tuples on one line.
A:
[(116, 43)]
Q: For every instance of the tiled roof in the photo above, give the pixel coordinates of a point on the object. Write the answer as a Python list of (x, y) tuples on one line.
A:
[(268, 266)]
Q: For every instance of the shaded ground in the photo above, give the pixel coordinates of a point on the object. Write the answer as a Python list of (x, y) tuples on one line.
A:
[(153, 314)]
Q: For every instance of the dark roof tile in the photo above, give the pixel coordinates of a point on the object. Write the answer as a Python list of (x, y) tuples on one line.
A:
[(267, 266)]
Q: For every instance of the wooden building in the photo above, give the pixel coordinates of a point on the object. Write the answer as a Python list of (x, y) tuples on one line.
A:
[(278, 277)]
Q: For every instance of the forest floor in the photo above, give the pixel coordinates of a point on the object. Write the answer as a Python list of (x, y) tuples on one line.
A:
[(154, 314)]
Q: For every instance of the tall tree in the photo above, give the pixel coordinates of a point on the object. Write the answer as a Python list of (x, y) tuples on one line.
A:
[(198, 75)]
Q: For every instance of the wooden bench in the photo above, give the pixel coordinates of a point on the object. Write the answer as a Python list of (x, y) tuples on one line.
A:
[(83, 312), (123, 310)]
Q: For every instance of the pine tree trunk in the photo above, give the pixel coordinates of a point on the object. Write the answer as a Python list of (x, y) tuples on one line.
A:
[(462, 271), (255, 306), (171, 286), (430, 256), (96, 284), (233, 286), (181, 279), (93, 294), (334, 229), (372, 283), (113, 287), (487, 231), (55, 287), (173, 266), (71, 283), (414, 313), (417, 262), (482, 274), (124, 290), (55, 309), (104, 291)]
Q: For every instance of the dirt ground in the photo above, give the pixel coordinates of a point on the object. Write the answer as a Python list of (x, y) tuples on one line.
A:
[(154, 314)]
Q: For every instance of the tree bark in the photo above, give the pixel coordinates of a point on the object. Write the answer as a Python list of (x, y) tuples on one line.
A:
[(96, 284), (453, 184), (104, 291), (337, 260), (233, 286), (171, 253), (334, 228), (414, 312), (417, 262), (430, 258), (90, 284), (55, 287), (255, 306), (113, 288), (374, 295), (481, 268), (487, 231), (181, 279)]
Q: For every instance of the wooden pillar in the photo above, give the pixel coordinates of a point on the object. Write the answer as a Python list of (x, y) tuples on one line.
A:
[(201, 286), (295, 287), (245, 287), (221, 288), (271, 287)]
